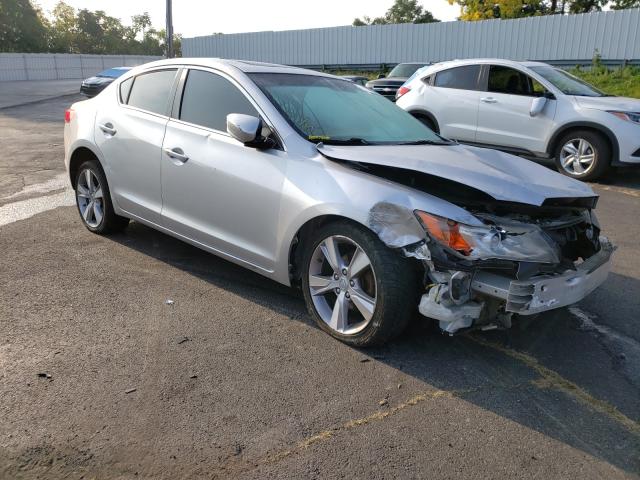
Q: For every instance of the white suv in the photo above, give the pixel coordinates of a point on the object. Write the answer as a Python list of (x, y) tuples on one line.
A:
[(527, 108)]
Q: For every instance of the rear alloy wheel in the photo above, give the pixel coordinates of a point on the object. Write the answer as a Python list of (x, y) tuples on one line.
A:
[(584, 155), (94, 201), (356, 288)]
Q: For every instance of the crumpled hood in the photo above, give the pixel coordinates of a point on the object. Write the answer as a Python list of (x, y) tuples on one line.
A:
[(609, 103), (502, 176)]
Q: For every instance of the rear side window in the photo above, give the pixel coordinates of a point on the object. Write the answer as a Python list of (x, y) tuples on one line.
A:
[(150, 91), (208, 99), (513, 82), (462, 78), (125, 88)]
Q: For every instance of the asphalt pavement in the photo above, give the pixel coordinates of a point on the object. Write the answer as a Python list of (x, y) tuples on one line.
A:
[(138, 356)]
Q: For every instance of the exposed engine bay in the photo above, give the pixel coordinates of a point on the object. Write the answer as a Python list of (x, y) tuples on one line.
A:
[(523, 259)]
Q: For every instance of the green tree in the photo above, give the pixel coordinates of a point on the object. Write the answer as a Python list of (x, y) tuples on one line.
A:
[(483, 9), (402, 11), (23, 27), (621, 4), (64, 26)]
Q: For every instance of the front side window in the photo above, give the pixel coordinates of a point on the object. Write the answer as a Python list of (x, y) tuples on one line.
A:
[(567, 83), (513, 82), (150, 91), (461, 78), (334, 111), (208, 99)]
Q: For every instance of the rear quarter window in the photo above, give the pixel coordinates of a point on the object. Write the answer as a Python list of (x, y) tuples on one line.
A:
[(125, 89)]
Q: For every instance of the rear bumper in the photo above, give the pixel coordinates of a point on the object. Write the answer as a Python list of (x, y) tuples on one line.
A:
[(539, 294)]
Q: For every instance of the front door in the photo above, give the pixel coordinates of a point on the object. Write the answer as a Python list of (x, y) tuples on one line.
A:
[(215, 190), (504, 119)]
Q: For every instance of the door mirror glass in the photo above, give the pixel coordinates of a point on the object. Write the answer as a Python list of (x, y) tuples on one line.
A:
[(381, 76), (537, 105)]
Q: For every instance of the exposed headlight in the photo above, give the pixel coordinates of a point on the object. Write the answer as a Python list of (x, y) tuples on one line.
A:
[(512, 241), (628, 116)]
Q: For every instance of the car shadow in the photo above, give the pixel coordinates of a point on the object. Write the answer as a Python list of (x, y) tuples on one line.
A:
[(552, 374)]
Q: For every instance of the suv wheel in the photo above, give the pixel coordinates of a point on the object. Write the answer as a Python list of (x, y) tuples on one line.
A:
[(583, 154), (356, 288)]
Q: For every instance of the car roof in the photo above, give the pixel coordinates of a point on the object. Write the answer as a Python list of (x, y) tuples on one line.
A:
[(245, 66), (476, 61)]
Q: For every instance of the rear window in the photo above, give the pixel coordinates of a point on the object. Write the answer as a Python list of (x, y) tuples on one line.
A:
[(150, 91), (462, 78)]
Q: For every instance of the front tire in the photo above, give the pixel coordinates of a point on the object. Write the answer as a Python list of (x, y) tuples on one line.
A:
[(93, 200), (583, 155), (356, 288)]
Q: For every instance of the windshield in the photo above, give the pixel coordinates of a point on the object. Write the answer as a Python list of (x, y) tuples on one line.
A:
[(337, 111), (112, 73), (404, 70), (567, 83)]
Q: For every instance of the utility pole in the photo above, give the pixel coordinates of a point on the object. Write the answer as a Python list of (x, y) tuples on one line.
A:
[(169, 30)]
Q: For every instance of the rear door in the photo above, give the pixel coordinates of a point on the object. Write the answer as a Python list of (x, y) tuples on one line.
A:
[(504, 118), (129, 132), (453, 98), (215, 190)]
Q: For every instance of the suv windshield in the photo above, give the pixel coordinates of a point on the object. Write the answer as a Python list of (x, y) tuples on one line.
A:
[(567, 83), (335, 111), (404, 70)]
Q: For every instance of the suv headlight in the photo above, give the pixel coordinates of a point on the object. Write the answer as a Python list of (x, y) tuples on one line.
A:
[(628, 116), (515, 241)]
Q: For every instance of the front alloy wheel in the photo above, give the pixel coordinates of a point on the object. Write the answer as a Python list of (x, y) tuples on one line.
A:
[(583, 154), (577, 157), (356, 288), (342, 284)]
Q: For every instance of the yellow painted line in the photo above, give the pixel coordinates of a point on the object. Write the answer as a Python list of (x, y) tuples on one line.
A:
[(551, 379)]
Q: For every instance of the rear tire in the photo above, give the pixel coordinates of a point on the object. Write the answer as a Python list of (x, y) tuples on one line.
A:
[(93, 200), (384, 278), (583, 155)]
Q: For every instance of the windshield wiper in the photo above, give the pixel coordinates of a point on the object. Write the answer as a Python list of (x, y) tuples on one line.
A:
[(346, 141), (425, 142)]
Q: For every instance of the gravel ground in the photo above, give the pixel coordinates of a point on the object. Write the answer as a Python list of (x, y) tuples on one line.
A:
[(101, 377)]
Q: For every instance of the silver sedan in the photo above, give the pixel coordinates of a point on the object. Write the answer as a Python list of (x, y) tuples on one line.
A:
[(318, 183)]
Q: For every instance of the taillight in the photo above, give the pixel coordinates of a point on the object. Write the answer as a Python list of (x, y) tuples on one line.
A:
[(68, 115), (401, 91)]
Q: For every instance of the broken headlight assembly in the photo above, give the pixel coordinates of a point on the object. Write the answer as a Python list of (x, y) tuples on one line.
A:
[(508, 241)]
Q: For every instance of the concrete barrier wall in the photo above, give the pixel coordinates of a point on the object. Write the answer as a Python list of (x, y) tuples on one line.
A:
[(54, 66)]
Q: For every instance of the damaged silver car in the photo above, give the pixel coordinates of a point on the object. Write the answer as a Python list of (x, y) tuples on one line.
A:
[(316, 182)]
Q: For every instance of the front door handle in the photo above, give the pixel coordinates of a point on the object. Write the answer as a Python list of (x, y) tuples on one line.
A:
[(108, 129), (176, 154), (488, 100)]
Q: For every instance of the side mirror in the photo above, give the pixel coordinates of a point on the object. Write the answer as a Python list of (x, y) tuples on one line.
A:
[(537, 105), (249, 130), (381, 76)]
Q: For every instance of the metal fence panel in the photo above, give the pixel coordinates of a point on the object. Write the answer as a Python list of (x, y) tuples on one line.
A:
[(614, 34), (59, 66)]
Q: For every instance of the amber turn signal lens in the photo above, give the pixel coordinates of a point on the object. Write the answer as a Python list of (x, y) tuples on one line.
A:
[(445, 231)]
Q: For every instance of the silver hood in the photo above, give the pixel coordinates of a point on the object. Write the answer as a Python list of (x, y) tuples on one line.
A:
[(502, 176), (622, 104)]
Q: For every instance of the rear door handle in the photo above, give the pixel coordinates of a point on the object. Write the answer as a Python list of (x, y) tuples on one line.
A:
[(488, 100), (176, 153), (108, 129)]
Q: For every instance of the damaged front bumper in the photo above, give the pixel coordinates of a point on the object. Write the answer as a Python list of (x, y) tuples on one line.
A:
[(507, 296)]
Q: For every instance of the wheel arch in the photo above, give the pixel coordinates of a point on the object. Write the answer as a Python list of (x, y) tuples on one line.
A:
[(81, 154), (302, 235), (417, 112), (598, 128)]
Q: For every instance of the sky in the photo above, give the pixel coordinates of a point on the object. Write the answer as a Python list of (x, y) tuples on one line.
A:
[(204, 17)]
